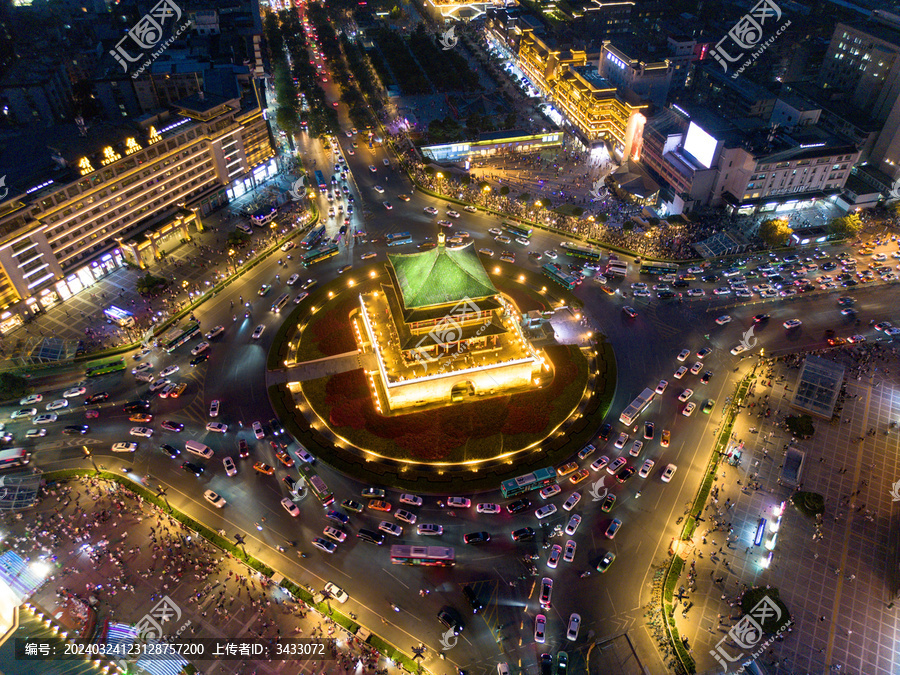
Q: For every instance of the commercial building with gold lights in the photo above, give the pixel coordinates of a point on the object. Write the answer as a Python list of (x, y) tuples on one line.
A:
[(97, 197), (442, 333)]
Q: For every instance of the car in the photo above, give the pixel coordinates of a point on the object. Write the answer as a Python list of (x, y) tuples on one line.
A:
[(605, 431), (572, 525), (324, 545), (696, 368), (683, 354), (450, 618), (291, 483), (550, 491), (685, 395), (218, 330), (46, 418), (429, 529), (707, 376), (74, 391), (71, 430), (555, 555), (578, 476), (35, 433), (403, 198), (608, 503), (214, 498), (523, 534), (390, 528), (338, 517), (486, 251), (759, 318), (373, 493), (613, 528), (545, 511), (32, 399), (165, 372), (616, 465), (379, 505), (722, 320), (243, 448), (546, 591), (57, 405), (856, 339), (300, 298), (574, 626), (334, 533), (546, 664), (605, 562), (661, 387), (738, 349), (648, 431), (488, 508), (708, 406), (703, 353), (379, 189), (214, 408), (258, 331), (625, 474), (264, 289), (282, 456), (169, 425), (387, 205), (630, 311), (258, 430), (477, 537), (573, 500), (336, 592), (688, 410), (168, 389), (586, 451), (569, 555), (621, 440), (290, 507), (264, 468), (646, 469), (405, 516), (459, 502), (792, 323), (217, 427), (666, 437), (472, 597), (190, 467), (680, 372), (141, 417), (636, 448), (519, 505), (170, 450), (230, 468), (143, 432), (410, 500), (200, 348), (180, 387), (305, 456), (599, 463), (431, 210), (124, 447)]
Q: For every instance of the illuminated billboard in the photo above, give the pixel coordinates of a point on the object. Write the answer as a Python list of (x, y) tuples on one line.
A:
[(700, 145)]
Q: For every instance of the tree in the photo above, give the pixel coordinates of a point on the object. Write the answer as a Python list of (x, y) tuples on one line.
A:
[(774, 232), (894, 208), (504, 190), (12, 386), (237, 239), (150, 285), (845, 227)]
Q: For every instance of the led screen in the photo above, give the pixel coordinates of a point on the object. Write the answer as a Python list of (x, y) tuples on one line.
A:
[(700, 145)]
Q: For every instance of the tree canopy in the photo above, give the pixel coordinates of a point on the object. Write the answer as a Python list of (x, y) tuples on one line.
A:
[(774, 232), (845, 226)]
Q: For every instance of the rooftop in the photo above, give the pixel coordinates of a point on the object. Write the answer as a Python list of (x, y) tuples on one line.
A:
[(818, 386)]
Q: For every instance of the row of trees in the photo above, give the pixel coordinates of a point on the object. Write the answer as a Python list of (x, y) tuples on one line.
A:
[(777, 231)]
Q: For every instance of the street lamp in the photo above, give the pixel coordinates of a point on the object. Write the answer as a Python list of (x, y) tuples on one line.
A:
[(89, 455), (163, 492)]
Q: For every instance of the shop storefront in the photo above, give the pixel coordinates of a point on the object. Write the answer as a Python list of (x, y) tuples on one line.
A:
[(160, 237), (243, 185)]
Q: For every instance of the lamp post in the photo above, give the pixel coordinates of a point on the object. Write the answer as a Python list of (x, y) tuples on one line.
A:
[(89, 455), (162, 492)]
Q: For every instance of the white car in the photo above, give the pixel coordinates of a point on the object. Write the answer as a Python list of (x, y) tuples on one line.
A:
[(574, 626), (199, 349), (545, 511), (550, 254), (431, 210), (165, 372), (300, 298), (680, 372), (572, 501), (685, 395), (230, 468), (305, 456), (379, 189), (411, 500), (792, 323), (390, 528), (621, 440), (696, 368), (218, 330), (616, 465), (453, 214), (258, 430), (722, 320), (31, 400), (334, 533), (668, 472), (555, 555), (143, 432), (569, 555), (293, 279), (46, 418), (550, 491), (599, 463), (336, 592), (58, 404), (75, 391), (214, 498), (689, 409), (258, 331), (290, 507), (24, 412), (646, 469), (124, 447), (35, 433), (739, 349), (573, 524), (214, 408), (488, 508), (540, 627), (636, 448), (459, 502), (372, 168), (430, 529), (405, 516), (217, 427), (661, 387), (144, 367)]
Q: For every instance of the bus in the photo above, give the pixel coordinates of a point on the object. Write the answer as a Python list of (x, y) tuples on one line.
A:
[(14, 458), (431, 556), (318, 254), (638, 405), (560, 277), (105, 367), (398, 238), (175, 337), (320, 490), (518, 230), (530, 481), (280, 302), (658, 269), (120, 317), (312, 237), (616, 268), (581, 251), (320, 181)]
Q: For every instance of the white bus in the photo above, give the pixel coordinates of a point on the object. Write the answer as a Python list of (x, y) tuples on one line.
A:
[(280, 302), (120, 317), (638, 405), (14, 458), (617, 268)]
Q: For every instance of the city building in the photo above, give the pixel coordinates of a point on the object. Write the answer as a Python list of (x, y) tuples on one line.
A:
[(649, 81), (96, 198), (441, 333), (493, 143)]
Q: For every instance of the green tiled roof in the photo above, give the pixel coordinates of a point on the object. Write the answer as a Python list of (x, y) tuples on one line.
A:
[(441, 276)]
